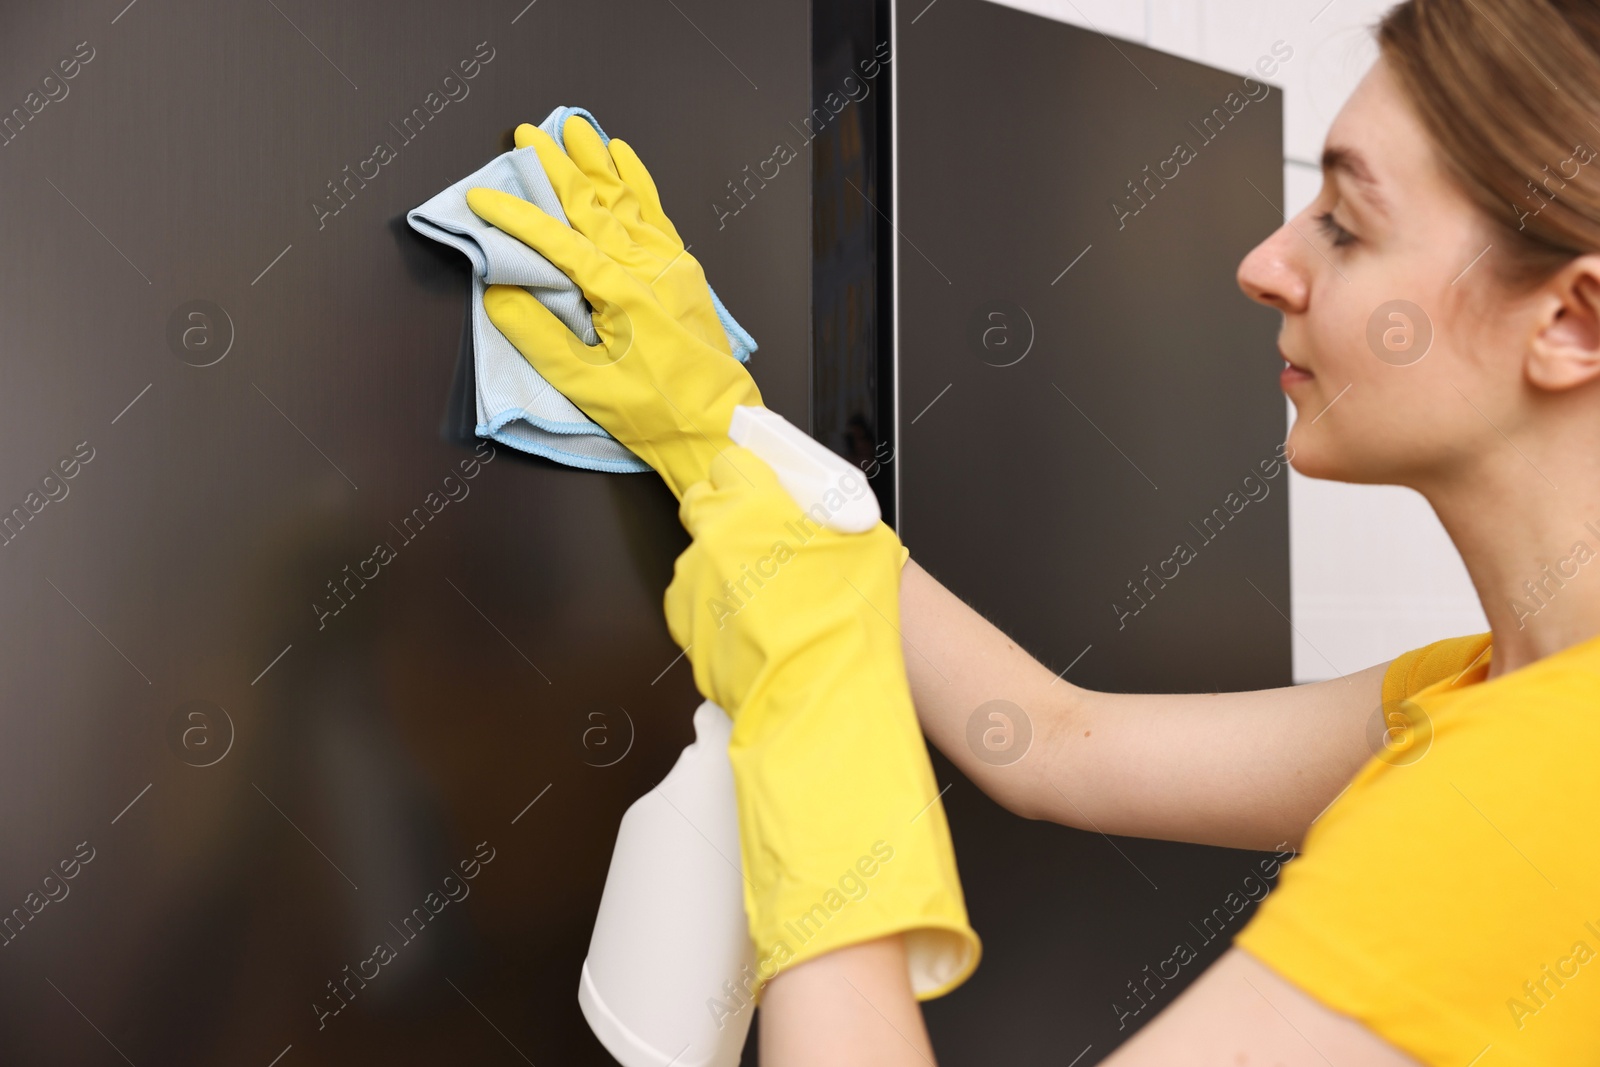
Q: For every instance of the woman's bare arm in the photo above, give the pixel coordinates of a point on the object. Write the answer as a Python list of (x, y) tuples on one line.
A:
[(852, 1007), (1245, 770)]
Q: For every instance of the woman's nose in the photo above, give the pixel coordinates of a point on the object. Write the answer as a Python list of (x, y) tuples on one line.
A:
[(1273, 273)]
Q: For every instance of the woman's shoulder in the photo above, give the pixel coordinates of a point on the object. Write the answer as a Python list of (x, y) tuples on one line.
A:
[(1435, 895)]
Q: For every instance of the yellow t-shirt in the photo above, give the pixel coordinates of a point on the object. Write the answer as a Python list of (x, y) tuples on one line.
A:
[(1449, 900)]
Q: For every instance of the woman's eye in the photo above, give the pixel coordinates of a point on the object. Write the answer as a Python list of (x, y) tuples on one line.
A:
[(1338, 235)]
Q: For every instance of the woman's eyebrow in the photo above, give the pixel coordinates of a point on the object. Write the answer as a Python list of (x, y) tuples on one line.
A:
[(1342, 159)]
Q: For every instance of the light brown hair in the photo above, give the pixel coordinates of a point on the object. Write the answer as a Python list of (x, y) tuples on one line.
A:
[(1509, 90)]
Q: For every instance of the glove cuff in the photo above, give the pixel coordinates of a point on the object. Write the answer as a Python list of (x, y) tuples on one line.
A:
[(941, 952)]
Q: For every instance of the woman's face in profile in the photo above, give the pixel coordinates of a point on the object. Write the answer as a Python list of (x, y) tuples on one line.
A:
[(1407, 345)]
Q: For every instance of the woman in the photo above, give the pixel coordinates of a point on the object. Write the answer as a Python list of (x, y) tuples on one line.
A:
[(1446, 905)]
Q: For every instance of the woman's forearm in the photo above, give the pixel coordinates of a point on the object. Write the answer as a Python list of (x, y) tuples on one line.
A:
[(852, 1007), (958, 662), (1246, 770)]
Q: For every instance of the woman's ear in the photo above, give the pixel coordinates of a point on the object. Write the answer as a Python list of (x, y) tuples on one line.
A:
[(1565, 350)]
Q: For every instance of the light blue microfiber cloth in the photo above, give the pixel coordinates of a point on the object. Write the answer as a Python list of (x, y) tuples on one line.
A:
[(516, 406)]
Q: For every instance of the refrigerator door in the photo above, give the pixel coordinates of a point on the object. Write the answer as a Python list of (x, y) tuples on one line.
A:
[(331, 717), (1088, 412)]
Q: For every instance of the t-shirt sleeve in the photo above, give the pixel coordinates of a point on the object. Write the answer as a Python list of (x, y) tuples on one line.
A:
[(1414, 671), (1449, 901)]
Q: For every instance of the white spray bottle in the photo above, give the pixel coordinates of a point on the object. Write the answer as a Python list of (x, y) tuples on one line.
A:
[(671, 967)]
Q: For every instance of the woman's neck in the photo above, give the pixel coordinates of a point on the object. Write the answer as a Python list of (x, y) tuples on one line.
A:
[(1527, 525)]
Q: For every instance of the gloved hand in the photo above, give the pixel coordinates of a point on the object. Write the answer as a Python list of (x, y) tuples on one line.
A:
[(794, 630), (606, 192), (662, 379)]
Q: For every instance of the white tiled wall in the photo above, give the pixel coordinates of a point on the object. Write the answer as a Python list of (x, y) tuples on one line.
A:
[(1372, 573)]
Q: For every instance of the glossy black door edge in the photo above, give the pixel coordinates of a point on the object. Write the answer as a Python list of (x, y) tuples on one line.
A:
[(852, 246)]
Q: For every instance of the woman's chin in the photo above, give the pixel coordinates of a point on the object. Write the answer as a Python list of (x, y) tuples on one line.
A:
[(1314, 459), (1326, 465)]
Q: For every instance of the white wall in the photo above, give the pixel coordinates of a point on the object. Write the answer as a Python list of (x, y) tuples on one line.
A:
[(1372, 573)]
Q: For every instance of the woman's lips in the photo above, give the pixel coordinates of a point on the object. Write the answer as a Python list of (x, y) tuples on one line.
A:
[(1293, 375)]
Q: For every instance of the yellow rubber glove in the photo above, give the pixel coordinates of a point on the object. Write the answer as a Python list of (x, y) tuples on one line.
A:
[(794, 630), (609, 196), (661, 380)]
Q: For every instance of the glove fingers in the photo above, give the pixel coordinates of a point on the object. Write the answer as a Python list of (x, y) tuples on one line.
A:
[(632, 172), (586, 209), (602, 280), (679, 596), (625, 164), (679, 608), (534, 330), (607, 210), (589, 155), (697, 504), (697, 314), (732, 473), (594, 160)]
